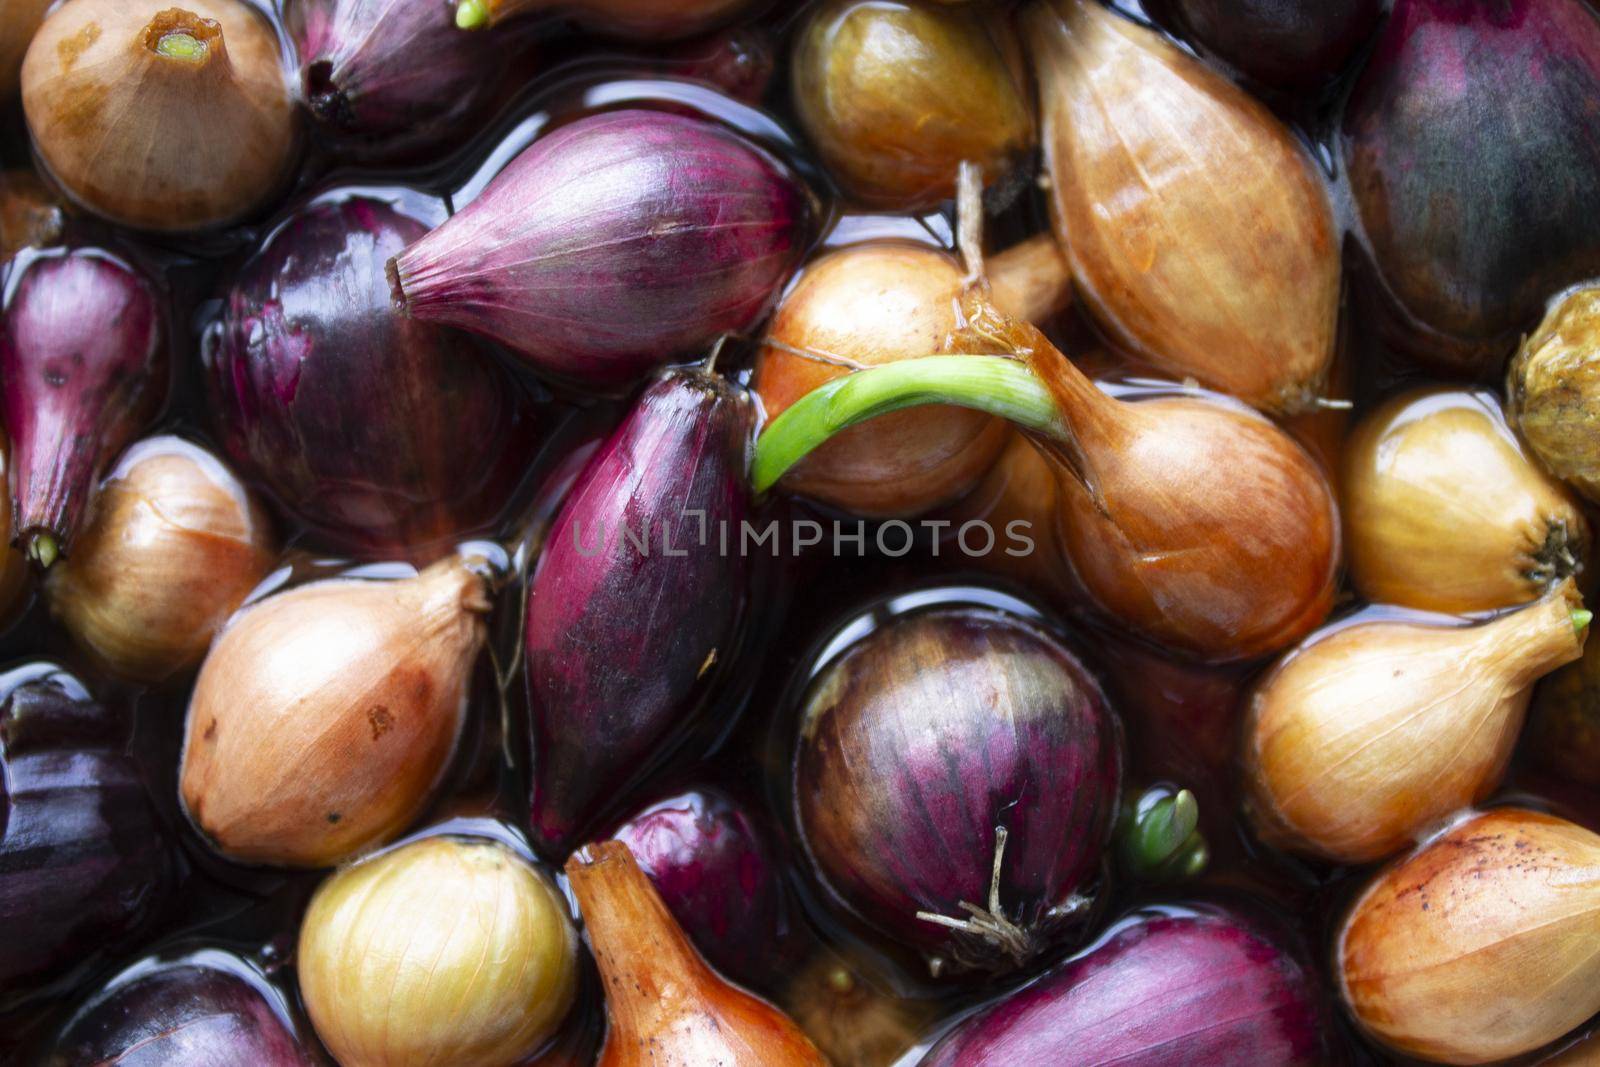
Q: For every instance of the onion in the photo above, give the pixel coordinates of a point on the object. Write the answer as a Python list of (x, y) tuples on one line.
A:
[(1295, 44), (324, 716), (853, 1022), (633, 608), (613, 245), (955, 780), (174, 545), (161, 118), (1366, 737), (1199, 232), (1480, 947), (645, 19), (1445, 512), (1198, 986), (1469, 145), (1553, 389), (665, 1007), (84, 367), (29, 212)]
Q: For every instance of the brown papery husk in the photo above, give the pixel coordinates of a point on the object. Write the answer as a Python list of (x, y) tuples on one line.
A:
[(666, 1007), (324, 717), (1198, 229), (1480, 946), (1367, 737)]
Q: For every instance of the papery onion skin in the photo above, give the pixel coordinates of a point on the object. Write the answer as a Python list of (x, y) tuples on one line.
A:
[(1198, 986), (445, 950), (1469, 145), (1478, 947), (1553, 389), (612, 245), (921, 740), (1203, 239), (650, 20), (1366, 737), (895, 96), (1445, 511), (1293, 44), (385, 434), (324, 717), (84, 365), (116, 121), (623, 641)]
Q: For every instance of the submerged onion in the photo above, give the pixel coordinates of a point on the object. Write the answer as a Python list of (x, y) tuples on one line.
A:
[(854, 1022), (950, 748), (645, 19), (161, 117), (1553, 390), (1296, 44), (612, 245)]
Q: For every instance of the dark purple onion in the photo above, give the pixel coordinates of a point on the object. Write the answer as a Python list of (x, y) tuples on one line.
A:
[(381, 432), (712, 867), (1471, 149), (925, 737), (1294, 44), (83, 369), (84, 858), (622, 641), (614, 244), (207, 1009), (1194, 988)]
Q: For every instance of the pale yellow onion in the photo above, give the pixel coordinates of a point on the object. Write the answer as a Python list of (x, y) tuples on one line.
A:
[(1366, 737), (1444, 511), (172, 548), (1198, 229), (324, 717), (446, 951), (1553, 390), (1481, 946)]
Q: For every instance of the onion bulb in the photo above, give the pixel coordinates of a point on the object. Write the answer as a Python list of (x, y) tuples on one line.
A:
[(1289, 44), (447, 950), (173, 546), (1553, 390), (1481, 946), (1444, 511), (161, 117), (1199, 232), (853, 1022), (323, 717), (1364, 738), (651, 20)]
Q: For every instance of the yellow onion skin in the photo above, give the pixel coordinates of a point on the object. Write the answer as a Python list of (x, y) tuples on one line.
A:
[(323, 717), (172, 548), (1445, 511), (1198, 230), (153, 140), (1480, 946), (445, 951), (1366, 737), (896, 95), (1553, 390)]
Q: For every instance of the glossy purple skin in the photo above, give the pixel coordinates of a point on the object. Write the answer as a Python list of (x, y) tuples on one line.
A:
[(621, 643), (183, 1014), (397, 73), (382, 433), (84, 369), (84, 858), (1194, 989), (713, 868), (1471, 149), (614, 245), (1291, 44), (924, 737)]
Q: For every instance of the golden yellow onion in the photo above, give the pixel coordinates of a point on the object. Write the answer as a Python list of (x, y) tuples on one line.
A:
[(1366, 737), (1198, 230), (1443, 510), (173, 546), (447, 951), (1480, 946), (323, 717), (1553, 390)]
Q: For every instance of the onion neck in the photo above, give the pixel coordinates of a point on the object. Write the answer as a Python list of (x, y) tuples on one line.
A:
[(1534, 641), (178, 43)]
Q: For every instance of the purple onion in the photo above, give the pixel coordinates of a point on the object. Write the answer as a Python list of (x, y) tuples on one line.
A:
[(614, 244), (380, 432), (950, 744), (1293, 44), (1182, 989), (84, 369), (713, 868), (207, 1009), (633, 605), (1471, 149), (84, 858)]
